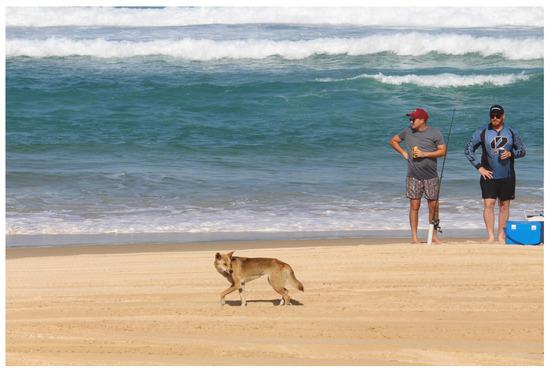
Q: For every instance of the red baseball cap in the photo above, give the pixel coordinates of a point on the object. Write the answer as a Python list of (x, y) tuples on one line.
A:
[(418, 113)]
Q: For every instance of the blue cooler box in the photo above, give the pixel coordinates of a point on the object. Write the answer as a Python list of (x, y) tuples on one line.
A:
[(524, 233)]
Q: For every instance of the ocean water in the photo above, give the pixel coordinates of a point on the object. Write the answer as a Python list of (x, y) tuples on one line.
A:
[(204, 124)]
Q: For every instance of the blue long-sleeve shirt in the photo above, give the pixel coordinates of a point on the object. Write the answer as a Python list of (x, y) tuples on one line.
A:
[(491, 141)]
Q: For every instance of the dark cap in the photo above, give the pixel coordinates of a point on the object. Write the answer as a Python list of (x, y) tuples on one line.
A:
[(496, 109), (418, 113)]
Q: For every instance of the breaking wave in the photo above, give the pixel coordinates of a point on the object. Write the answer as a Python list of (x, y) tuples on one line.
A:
[(442, 80), (404, 44)]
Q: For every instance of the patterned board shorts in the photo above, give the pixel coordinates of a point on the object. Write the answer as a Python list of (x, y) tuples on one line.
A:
[(416, 188)]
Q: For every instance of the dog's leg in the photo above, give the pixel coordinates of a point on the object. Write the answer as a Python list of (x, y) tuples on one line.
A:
[(283, 292), (278, 284), (242, 292), (230, 289), (285, 300)]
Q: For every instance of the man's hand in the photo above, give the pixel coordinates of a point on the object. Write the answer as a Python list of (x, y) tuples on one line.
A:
[(504, 154), (486, 174)]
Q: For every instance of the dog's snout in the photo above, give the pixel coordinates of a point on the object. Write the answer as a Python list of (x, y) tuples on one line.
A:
[(230, 271)]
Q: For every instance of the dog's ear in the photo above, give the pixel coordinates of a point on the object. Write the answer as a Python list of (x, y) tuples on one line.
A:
[(230, 254), (218, 256)]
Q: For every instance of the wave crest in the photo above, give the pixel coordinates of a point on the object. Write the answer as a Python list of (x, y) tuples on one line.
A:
[(403, 44), (442, 80)]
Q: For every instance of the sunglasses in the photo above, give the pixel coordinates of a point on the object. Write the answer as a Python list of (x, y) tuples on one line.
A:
[(496, 116)]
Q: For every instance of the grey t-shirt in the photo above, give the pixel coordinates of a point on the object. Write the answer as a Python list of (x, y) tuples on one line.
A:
[(427, 140)]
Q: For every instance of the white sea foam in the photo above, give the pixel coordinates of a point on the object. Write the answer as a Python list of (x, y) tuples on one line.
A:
[(441, 80), (449, 17), (404, 44), (453, 215), (223, 221)]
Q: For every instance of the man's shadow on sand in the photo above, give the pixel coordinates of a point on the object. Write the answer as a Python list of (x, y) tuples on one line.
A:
[(275, 302)]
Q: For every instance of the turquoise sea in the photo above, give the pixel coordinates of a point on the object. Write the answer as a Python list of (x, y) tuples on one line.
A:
[(206, 124)]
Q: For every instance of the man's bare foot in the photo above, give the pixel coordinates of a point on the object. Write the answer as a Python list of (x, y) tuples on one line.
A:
[(438, 241), (415, 241)]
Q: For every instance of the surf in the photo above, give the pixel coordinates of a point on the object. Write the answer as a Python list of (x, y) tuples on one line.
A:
[(206, 49), (441, 80)]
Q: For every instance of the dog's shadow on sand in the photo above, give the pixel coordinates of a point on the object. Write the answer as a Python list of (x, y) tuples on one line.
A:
[(275, 302)]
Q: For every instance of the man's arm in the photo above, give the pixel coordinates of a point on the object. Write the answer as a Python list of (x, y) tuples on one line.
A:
[(439, 152), (469, 151), (471, 147), (518, 144), (395, 143)]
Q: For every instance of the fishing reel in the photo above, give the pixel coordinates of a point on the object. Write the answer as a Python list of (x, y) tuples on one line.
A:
[(435, 222)]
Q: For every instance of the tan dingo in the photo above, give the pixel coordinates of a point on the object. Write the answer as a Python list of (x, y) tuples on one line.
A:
[(239, 270)]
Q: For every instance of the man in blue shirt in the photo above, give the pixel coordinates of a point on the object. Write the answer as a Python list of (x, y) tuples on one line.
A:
[(500, 145)]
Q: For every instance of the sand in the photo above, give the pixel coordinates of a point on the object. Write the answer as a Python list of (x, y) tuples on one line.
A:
[(366, 302)]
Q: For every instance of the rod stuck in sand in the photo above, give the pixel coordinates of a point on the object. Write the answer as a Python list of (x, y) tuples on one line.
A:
[(434, 225)]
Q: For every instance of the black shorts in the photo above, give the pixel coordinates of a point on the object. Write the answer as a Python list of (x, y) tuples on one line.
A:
[(503, 189)]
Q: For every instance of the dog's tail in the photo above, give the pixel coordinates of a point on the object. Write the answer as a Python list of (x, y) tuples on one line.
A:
[(294, 281)]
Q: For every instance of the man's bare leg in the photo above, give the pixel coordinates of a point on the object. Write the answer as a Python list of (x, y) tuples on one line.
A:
[(413, 218), (503, 216), (489, 217), (432, 206)]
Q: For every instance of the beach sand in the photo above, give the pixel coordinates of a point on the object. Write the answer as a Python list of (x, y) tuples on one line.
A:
[(366, 302)]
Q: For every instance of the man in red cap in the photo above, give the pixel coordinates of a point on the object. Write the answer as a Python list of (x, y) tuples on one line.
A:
[(424, 145)]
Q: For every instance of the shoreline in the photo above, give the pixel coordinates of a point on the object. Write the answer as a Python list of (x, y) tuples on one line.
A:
[(57, 240), (22, 252)]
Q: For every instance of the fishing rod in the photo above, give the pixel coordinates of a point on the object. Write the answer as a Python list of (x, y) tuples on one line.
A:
[(435, 222)]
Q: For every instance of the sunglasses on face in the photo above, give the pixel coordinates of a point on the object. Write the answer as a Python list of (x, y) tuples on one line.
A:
[(496, 116)]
